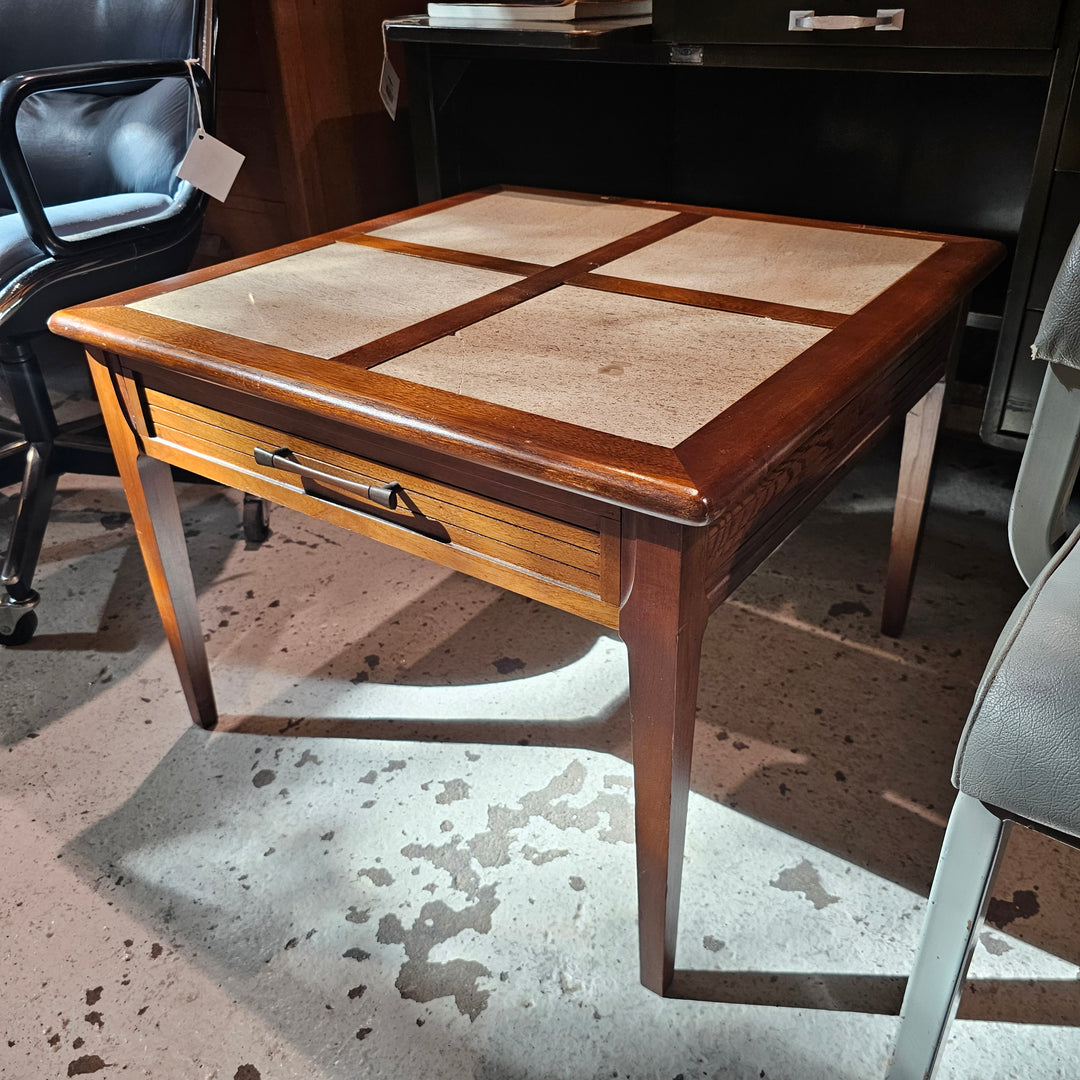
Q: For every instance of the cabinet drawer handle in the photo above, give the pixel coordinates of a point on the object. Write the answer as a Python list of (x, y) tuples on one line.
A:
[(886, 19), (384, 495)]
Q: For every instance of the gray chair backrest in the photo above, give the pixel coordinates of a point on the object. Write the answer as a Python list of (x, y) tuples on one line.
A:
[(1039, 516), (121, 140)]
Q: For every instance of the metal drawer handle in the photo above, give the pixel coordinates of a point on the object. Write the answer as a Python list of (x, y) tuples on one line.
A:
[(886, 19), (386, 495)]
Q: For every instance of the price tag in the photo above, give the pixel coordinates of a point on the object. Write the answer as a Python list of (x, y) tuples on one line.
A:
[(389, 83), (210, 165), (389, 86)]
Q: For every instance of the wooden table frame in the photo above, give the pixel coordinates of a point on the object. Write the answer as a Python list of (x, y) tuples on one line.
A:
[(674, 530)]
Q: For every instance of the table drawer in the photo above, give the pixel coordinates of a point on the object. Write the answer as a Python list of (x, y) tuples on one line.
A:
[(518, 548), (986, 24)]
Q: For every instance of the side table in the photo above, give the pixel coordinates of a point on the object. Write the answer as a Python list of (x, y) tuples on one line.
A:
[(614, 406)]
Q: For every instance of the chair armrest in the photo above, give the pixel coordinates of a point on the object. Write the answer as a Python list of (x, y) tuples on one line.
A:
[(15, 89)]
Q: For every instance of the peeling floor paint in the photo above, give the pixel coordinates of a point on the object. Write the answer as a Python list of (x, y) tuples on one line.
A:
[(804, 879), (420, 979)]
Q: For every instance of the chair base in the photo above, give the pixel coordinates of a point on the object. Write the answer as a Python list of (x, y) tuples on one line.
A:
[(48, 450), (18, 620)]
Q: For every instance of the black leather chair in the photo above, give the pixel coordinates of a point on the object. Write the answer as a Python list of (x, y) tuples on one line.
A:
[(96, 113)]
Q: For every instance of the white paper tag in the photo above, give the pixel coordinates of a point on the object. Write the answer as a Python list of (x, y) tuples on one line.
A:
[(210, 165), (389, 85)]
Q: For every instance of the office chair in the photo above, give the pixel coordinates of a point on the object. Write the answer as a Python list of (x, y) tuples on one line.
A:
[(1019, 755), (96, 113)]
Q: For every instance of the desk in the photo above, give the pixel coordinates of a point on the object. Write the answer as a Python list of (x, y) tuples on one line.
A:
[(613, 406)]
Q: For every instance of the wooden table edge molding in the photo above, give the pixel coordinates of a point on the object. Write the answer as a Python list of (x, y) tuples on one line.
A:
[(644, 538)]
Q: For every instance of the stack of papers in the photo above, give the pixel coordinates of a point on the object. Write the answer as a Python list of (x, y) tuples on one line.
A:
[(536, 11)]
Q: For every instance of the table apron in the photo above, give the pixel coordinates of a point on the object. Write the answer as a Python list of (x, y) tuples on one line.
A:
[(756, 520), (570, 565)]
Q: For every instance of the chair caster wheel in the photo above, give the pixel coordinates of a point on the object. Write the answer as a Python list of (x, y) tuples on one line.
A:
[(256, 519), (22, 631)]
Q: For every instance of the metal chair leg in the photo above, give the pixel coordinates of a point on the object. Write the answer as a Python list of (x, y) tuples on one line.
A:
[(256, 519), (974, 841), (36, 417)]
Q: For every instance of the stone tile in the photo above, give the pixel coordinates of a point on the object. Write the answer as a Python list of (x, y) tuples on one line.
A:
[(824, 269), (525, 226), (576, 349), (327, 300)]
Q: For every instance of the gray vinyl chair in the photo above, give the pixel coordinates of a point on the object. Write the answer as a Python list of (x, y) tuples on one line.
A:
[(1019, 756), (96, 113)]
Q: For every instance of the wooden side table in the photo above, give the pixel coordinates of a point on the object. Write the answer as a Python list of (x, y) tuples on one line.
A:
[(613, 406)]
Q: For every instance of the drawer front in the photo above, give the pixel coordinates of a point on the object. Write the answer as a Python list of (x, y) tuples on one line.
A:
[(568, 565), (985, 24)]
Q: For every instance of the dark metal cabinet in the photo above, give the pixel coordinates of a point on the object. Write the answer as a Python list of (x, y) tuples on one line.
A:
[(984, 24)]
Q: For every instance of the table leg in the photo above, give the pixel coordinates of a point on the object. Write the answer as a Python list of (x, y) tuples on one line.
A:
[(912, 499), (662, 621), (148, 485)]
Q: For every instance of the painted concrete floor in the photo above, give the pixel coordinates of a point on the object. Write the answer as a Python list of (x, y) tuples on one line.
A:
[(407, 851)]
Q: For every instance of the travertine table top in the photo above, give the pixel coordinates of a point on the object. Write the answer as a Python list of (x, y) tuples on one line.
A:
[(639, 366)]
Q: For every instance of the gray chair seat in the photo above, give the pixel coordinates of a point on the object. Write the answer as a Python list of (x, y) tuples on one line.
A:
[(1020, 750)]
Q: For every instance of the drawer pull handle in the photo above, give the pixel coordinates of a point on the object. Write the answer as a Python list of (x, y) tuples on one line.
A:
[(886, 19), (384, 495)]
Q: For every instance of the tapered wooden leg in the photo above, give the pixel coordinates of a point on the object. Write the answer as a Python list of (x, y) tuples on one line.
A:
[(662, 621), (912, 498), (970, 855), (151, 498)]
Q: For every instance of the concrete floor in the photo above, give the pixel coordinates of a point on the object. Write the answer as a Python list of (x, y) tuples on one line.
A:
[(407, 851)]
